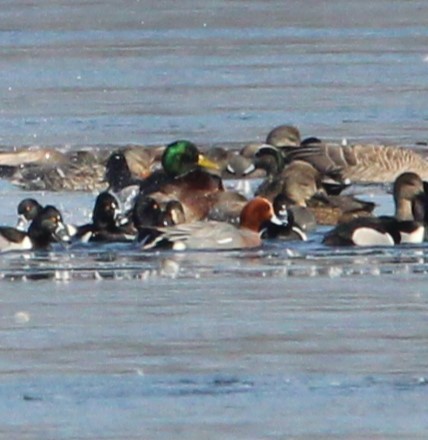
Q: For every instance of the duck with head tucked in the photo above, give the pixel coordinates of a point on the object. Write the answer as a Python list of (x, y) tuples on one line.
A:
[(406, 226), (256, 215)]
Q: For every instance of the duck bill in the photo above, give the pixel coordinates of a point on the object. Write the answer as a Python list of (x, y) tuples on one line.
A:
[(121, 220), (61, 233), (280, 221), (207, 163), (22, 223)]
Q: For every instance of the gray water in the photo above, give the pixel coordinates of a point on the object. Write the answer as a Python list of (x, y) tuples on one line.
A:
[(289, 341), (148, 72)]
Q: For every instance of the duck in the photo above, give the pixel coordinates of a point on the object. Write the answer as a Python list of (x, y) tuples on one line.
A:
[(313, 151), (285, 135), (301, 184), (27, 209), (32, 155), (130, 165), (226, 206), (78, 171), (373, 163), (403, 227), (290, 229), (46, 228), (108, 224), (233, 164), (151, 212), (215, 235), (184, 177), (299, 181)]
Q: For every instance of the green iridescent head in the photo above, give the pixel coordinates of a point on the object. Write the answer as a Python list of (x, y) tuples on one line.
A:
[(181, 157)]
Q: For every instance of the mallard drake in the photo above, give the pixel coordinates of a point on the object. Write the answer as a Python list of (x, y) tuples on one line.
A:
[(47, 227), (184, 177), (213, 235), (403, 227)]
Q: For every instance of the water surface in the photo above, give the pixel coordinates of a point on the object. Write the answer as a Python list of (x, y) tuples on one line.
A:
[(290, 341)]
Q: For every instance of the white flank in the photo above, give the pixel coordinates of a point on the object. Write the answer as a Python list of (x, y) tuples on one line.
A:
[(417, 236), (24, 245), (300, 233), (86, 237), (179, 246), (371, 237)]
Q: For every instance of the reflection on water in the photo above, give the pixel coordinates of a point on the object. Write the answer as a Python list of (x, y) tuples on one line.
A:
[(273, 260)]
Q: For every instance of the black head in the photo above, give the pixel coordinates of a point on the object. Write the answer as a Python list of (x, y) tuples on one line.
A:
[(146, 212), (27, 209), (106, 211), (118, 175), (48, 227)]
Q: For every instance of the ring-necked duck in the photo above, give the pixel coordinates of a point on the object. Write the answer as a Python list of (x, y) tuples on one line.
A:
[(47, 227), (386, 230)]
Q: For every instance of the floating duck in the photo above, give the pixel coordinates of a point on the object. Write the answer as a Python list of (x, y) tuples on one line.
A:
[(46, 228), (255, 217), (403, 227)]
